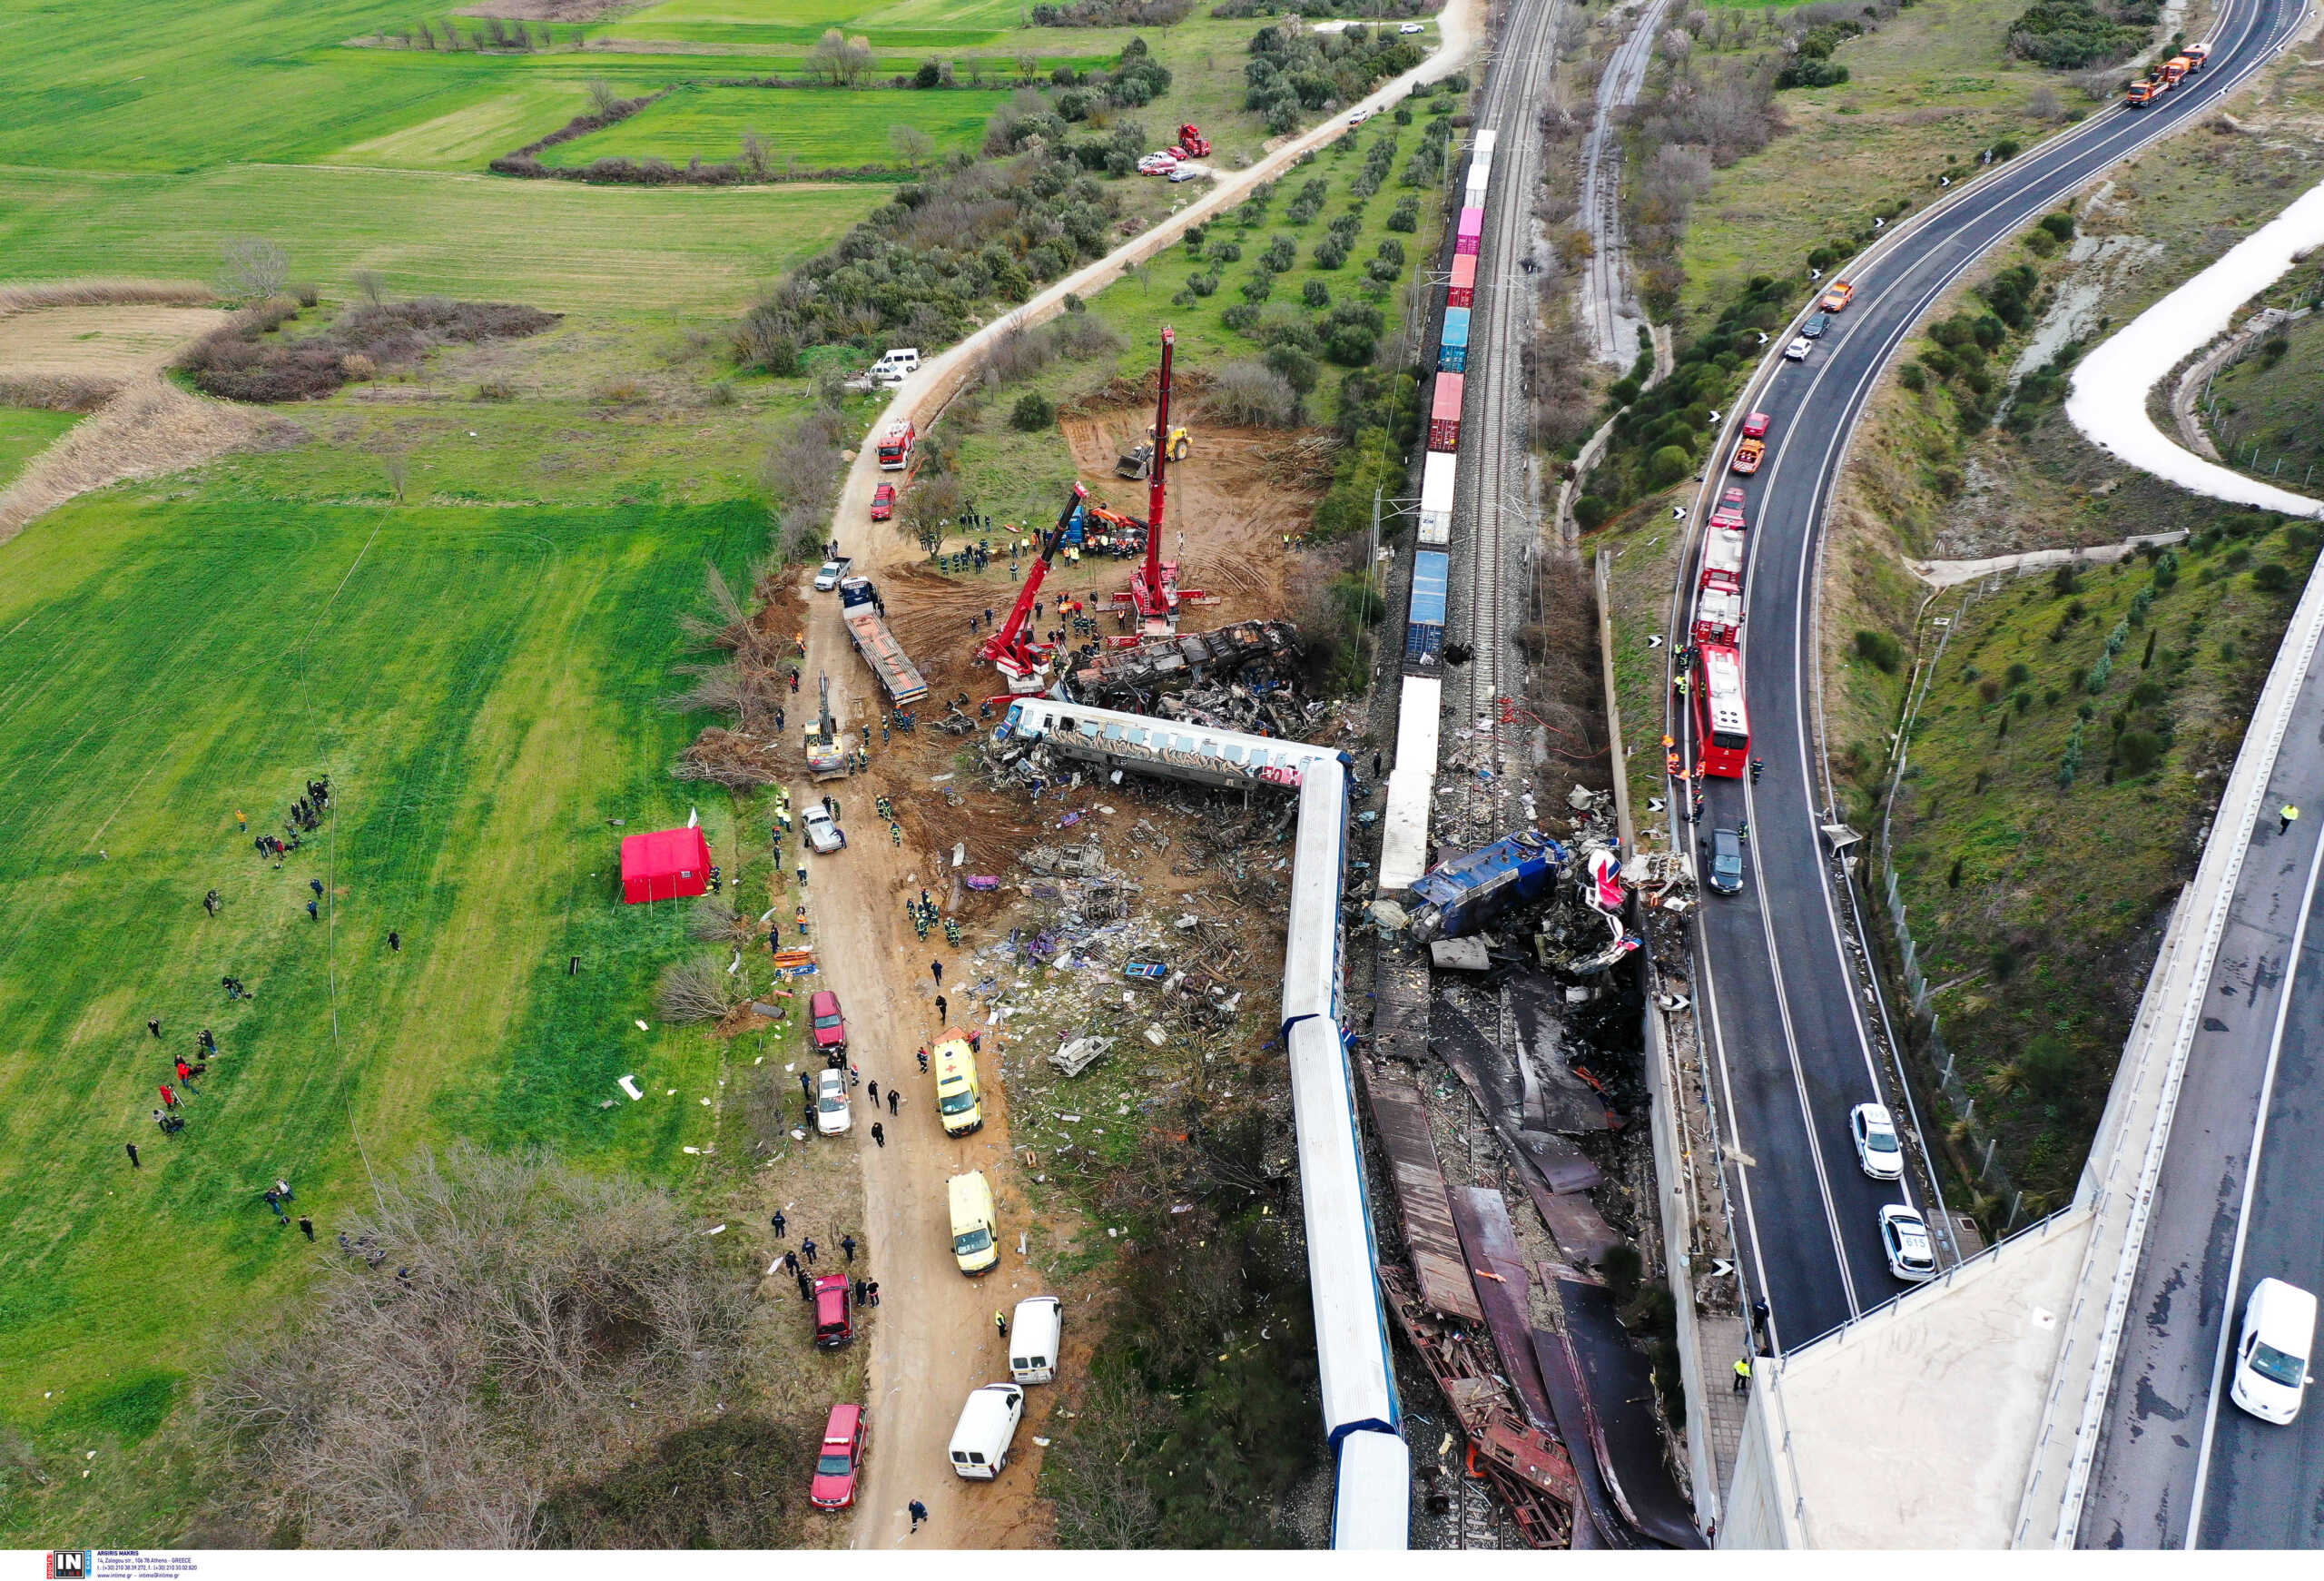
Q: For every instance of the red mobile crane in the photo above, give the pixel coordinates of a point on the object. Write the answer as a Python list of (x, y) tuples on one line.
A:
[(1154, 596), (1011, 650)]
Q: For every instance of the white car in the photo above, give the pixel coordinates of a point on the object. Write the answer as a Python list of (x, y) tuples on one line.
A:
[(1411, 27), (1798, 348), (1359, 118), (832, 1114), (828, 578), (2272, 1353), (823, 833), (1905, 1238), (1156, 165), (1877, 1148)]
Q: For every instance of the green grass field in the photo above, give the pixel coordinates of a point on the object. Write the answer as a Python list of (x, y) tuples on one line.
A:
[(479, 685), (554, 244), (819, 129), (25, 432), (1927, 90), (934, 24)]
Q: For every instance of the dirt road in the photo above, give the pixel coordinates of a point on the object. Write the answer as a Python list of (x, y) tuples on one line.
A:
[(934, 1340)]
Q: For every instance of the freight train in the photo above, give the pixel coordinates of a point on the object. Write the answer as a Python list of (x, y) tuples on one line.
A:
[(1405, 855)]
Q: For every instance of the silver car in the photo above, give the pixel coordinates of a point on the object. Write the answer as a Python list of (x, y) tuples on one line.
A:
[(823, 833), (828, 577)]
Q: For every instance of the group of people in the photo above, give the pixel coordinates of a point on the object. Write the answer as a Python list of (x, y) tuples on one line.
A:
[(306, 816), (177, 1086)]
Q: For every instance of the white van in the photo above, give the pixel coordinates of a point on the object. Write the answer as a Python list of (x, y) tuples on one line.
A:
[(895, 365), (987, 1426), (2271, 1353), (1033, 1335)]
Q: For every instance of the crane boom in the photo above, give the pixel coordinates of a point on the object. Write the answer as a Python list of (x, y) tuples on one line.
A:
[(1154, 490), (1008, 650)]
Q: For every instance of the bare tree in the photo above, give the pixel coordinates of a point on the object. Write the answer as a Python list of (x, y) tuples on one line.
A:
[(929, 506), (372, 283), (715, 921), (493, 1308), (603, 96), (697, 990), (397, 465), (840, 58), (758, 157), (255, 269), (911, 144), (1029, 66), (2041, 104)]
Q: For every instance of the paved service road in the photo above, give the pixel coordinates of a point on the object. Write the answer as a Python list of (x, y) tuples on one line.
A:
[(1787, 1025), (2173, 1442)]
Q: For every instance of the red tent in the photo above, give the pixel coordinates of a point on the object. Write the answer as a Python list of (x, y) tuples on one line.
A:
[(666, 865)]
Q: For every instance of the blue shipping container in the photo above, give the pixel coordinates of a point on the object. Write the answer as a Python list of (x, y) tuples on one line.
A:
[(1424, 627), (1456, 327), (1452, 359)]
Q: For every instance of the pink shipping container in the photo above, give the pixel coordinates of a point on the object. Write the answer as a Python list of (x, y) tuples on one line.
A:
[(1465, 282), (1472, 231), (1444, 414)]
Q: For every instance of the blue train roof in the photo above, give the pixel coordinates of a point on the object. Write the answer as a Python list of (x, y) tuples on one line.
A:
[(1432, 571), (1456, 327)]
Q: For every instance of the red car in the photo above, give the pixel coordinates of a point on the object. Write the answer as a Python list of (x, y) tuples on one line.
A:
[(829, 1026), (883, 502), (1755, 427), (835, 1320), (841, 1459)]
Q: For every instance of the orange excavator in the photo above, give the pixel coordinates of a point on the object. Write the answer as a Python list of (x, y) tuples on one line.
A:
[(1014, 650)]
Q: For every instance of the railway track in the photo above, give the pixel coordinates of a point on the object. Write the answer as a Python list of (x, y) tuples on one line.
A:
[(1605, 285), (1502, 522)]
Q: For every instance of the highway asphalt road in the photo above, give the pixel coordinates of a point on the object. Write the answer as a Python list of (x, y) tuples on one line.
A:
[(2172, 1443), (1787, 1023)]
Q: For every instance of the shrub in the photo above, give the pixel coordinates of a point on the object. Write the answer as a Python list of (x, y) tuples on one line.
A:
[(1589, 512), (1032, 413), (1912, 376), (1298, 369), (1406, 215), (931, 261), (2272, 577), (1880, 650), (2050, 1065), (1315, 294), (2070, 35), (2138, 751), (1806, 73), (1667, 466), (1251, 394)]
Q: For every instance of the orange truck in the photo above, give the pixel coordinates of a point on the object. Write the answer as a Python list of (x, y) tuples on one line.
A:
[(2175, 70), (1838, 299), (2143, 92)]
